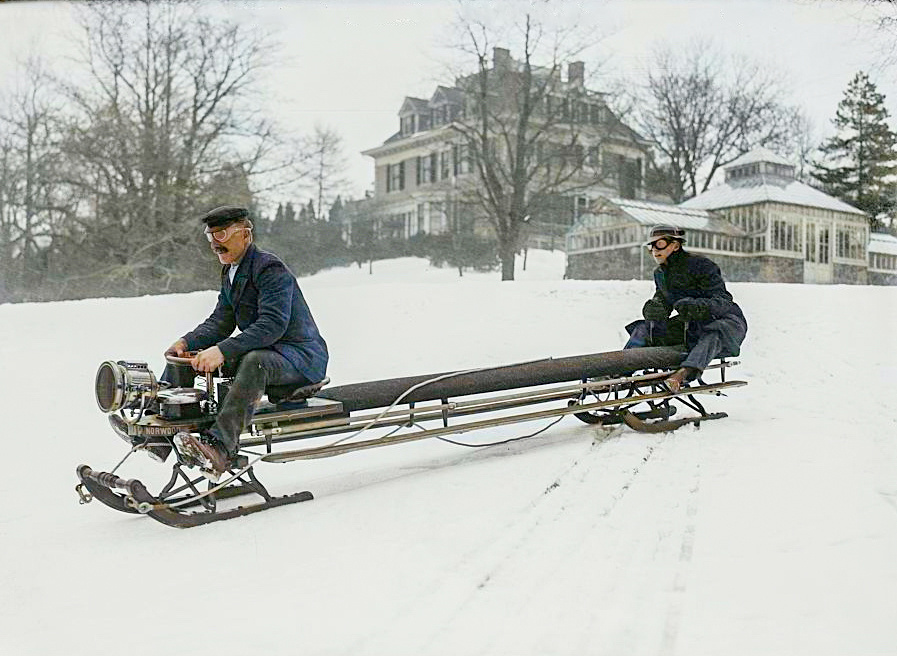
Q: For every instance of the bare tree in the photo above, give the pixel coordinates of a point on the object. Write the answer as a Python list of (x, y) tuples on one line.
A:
[(801, 144), (702, 110), (883, 15), (326, 165), (163, 127), (528, 133), (31, 203)]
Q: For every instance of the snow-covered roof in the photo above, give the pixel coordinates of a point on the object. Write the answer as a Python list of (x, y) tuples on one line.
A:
[(764, 188), (759, 154), (882, 243), (412, 104), (649, 214), (449, 94), (407, 140)]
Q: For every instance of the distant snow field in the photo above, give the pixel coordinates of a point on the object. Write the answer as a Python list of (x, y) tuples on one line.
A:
[(773, 531)]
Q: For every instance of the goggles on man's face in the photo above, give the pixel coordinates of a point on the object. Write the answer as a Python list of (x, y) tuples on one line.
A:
[(659, 244), (223, 234)]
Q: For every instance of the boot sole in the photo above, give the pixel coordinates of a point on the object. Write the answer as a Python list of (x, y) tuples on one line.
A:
[(188, 448)]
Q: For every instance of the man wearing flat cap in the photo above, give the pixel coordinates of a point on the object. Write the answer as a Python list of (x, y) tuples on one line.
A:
[(707, 321), (278, 343)]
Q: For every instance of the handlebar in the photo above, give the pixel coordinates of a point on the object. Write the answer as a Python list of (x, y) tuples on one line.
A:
[(185, 359)]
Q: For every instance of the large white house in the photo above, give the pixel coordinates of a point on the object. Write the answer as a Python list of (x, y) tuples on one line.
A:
[(420, 170)]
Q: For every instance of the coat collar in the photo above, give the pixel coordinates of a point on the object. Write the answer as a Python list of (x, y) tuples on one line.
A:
[(242, 274), (674, 259)]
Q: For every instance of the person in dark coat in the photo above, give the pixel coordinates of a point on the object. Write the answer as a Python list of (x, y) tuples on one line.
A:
[(708, 322), (278, 344)]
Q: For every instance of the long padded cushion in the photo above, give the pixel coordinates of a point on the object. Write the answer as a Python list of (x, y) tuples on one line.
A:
[(381, 393)]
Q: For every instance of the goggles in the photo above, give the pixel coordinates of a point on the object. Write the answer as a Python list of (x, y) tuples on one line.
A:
[(659, 244), (223, 234)]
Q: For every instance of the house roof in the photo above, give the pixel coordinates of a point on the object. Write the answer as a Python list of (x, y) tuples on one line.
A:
[(447, 94), (759, 154), (764, 188), (411, 104), (399, 141), (882, 243), (648, 214)]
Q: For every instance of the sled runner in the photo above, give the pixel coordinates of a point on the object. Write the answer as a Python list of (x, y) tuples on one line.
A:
[(604, 389)]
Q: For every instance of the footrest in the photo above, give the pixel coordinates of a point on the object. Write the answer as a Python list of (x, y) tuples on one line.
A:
[(279, 394)]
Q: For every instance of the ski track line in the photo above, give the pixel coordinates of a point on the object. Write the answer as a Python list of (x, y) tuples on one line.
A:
[(474, 568), (624, 566), (508, 547), (637, 592), (674, 613)]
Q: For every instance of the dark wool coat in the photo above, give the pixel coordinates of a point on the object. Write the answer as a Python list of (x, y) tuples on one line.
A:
[(687, 275), (265, 303)]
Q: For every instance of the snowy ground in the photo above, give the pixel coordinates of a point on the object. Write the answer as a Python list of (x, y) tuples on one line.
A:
[(771, 532)]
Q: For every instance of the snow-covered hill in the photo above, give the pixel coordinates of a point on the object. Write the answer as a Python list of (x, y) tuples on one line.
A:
[(771, 532)]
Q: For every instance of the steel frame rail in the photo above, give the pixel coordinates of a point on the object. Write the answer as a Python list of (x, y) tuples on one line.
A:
[(621, 403)]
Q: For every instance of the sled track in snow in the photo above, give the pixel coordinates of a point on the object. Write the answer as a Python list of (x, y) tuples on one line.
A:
[(585, 496), (680, 584)]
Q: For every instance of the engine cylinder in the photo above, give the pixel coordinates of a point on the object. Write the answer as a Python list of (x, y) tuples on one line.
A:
[(124, 384)]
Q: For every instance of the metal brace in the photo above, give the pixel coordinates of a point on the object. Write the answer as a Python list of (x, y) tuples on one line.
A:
[(445, 409), (84, 496)]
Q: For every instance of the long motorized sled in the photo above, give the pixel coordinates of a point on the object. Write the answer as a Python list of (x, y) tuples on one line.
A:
[(607, 389)]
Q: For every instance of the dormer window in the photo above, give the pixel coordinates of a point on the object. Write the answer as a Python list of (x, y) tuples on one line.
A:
[(438, 115), (757, 162)]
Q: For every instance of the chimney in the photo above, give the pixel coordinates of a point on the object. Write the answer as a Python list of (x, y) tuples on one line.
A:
[(501, 59), (576, 74)]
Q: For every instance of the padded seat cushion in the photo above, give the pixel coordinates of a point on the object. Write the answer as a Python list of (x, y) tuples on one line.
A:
[(284, 393)]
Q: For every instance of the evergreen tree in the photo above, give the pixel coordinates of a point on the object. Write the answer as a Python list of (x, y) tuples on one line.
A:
[(336, 210), (859, 160)]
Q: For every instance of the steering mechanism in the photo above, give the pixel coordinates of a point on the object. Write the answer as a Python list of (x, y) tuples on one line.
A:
[(181, 360)]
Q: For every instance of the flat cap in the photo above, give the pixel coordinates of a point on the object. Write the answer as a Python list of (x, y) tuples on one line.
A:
[(665, 232), (224, 215)]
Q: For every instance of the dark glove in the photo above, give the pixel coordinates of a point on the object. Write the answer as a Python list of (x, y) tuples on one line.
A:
[(691, 309), (655, 310)]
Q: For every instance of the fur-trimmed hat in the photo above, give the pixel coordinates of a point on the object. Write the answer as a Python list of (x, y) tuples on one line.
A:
[(665, 232), (224, 216)]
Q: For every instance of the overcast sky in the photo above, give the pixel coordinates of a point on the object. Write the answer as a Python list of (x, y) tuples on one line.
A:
[(348, 65)]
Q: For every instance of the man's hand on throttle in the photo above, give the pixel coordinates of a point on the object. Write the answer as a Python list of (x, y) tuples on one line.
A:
[(208, 360)]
